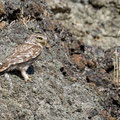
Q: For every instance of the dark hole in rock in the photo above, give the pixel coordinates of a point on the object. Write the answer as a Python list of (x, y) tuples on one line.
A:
[(30, 70), (39, 19), (58, 30), (89, 117), (44, 29), (70, 103), (22, 116), (61, 10), (2, 16), (78, 110), (115, 102), (97, 81), (82, 48), (77, 53), (96, 6), (63, 71), (14, 15), (55, 29), (48, 101), (62, 39), (87, 79), (89, 66), (37, 14), (111, 68), (72, 50), (16, 72)]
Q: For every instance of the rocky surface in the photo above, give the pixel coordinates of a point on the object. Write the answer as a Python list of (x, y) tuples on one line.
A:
[(95, 22), (70, 80)]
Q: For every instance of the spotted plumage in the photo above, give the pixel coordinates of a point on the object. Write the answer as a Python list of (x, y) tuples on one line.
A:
[(24, 55)]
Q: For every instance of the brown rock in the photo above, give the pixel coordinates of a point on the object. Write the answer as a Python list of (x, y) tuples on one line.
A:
[(79, 61), (77, 47), (102, 71), (2, 9), (90, 64), (107, 115), (3, 24)]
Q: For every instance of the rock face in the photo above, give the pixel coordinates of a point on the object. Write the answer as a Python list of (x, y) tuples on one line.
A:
[(2, 9), (56, 91), (70, 80), (95, 22)]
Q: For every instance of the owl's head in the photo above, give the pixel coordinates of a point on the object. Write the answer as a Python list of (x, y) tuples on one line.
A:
[(38, 39), (42, 39)]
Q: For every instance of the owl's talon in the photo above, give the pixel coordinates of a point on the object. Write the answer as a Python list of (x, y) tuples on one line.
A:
[(25, 75), (29, 79)]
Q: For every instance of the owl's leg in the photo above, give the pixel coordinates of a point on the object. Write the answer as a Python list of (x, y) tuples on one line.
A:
[(23, 70), (25, 75)]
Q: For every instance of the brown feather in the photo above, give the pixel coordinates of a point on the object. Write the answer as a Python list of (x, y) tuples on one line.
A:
[(4, 67), (23, 53)]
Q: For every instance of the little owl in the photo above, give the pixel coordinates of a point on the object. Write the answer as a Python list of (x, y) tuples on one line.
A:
[(24, 55)]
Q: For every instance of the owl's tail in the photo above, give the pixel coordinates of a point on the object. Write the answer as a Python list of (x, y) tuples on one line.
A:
[(4, 67)]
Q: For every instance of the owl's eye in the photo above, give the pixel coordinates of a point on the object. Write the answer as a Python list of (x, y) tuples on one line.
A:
[(39, 38)]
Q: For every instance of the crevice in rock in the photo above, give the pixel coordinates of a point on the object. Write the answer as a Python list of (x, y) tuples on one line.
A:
[(60, 10)]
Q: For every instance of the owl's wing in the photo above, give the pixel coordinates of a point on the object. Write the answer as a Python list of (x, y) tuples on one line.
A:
[(21, 54), (24, 53)]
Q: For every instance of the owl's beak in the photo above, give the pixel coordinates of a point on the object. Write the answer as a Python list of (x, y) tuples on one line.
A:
[(43, 42)]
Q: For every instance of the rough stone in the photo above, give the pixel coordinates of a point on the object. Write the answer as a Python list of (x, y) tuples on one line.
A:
[(2, 9), (79, 61)]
